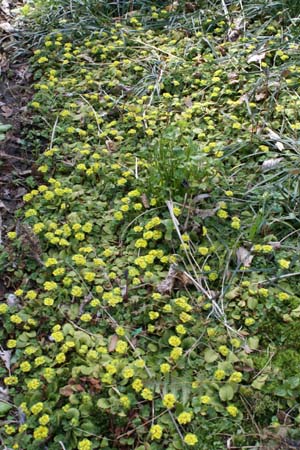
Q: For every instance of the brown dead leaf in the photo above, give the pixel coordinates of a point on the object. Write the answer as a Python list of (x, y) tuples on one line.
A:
[(66, 391), (200, 197), (188, 102), (172, 7), (203, 213), (166, 286), (111, 145), (113, 343), (244, 257), (247, 349), (183, 279), (145, 201), (86, 58), (262, 94), (256, 57), (233, 78), (4, 63), (236, 29), (222, 50), (280, 146), (78, 388), (243, 368), (190, 7), (233, 35), (95, 385), (174, 276), (7, 27), (275, 244), (6, 111), (4, 7), (271, 163)]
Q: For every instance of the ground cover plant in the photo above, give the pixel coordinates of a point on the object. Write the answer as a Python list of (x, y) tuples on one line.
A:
[(155, 263)]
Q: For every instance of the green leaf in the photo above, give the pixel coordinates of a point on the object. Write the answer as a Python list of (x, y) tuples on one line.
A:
[(252, 303), (253, 342), (4, 408), (72, 413), (4, 127), (103, 403), (234, 293), (259, 382), (169, 229), (85, 370), (210, 355), (226, 393)]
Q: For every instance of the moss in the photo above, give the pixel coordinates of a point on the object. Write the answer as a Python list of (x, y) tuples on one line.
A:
[(286, 335), (288, 361), (264, 408)]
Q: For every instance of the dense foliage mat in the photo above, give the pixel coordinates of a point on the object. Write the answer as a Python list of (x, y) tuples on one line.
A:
[(156, 262)]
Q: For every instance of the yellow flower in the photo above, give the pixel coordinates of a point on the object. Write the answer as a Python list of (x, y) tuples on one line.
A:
[(39, 361), (37, 408), (127, 372), (180, 329), (49, 373), (10, 381), (184, 417), (219, 374), (267, 248), (85, 444), (190, 439), (125, 401), (86, 317), (44, 419), (141, 243), (48, 301), (236, 343), (50, 262), (4, 309), (121, 347), (236, 377), (42, 59), (9, 429), (147, 394), (33, 384), (76, 291), (50, 285), (153, 315), (223, 350), (156, 432), (11, 343), (249, 321), (118, 215), (169, 401), (284, 263), (232, 410), (203, 251), (283, 296), (175, 341), (205, 399), (89, 276), (25, 366), (263, 292), (222, 214), (57, 336), (60, 358), (137, 385)]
